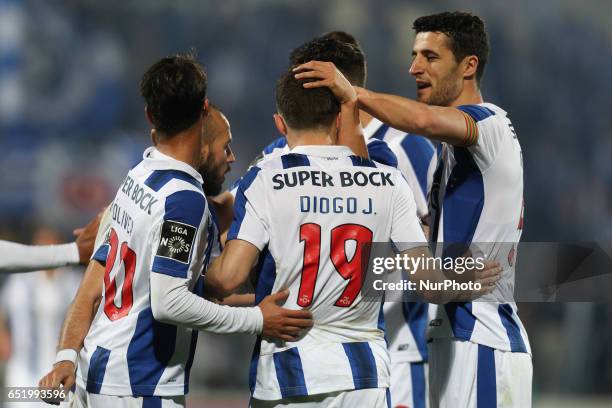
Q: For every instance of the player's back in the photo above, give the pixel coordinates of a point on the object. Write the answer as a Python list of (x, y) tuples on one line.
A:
[(154, 220), (319, 207)]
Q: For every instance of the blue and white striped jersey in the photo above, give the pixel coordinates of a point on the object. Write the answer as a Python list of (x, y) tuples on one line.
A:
[(159, 223), (477, 200), (406, 322), (309, 212), (416, 158), (377, 150)]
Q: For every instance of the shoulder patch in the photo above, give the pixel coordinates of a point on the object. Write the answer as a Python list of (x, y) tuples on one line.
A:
[(176, 241)]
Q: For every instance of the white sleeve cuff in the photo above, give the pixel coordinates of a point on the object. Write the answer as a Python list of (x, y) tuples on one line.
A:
[(72, 253)]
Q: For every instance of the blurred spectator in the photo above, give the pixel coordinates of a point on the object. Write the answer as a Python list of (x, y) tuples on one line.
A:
[(32, 309)]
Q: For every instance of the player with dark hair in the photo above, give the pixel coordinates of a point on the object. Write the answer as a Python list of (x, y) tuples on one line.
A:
[(415, 157), (480, 354), (342, 36), (135, 340), (351, 62), (347, 56), (296, 215)]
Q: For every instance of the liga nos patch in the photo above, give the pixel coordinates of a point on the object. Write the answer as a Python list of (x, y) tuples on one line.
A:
[(176, 241)]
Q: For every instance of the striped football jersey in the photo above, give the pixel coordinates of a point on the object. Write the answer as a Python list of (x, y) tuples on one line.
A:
[(309, 212), (477, 201), (159, 222), (377, 150), (416, 158), (406, 322)]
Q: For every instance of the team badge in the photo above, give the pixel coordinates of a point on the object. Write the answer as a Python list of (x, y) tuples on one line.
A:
[(176, 241), (511, 255)]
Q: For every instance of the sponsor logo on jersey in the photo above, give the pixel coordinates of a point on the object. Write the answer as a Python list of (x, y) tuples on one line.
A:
[(144, 200), (322, 179), (176, 241)]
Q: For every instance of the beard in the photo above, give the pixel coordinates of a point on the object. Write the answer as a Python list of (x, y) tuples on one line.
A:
[(213, 175), (445, 93)]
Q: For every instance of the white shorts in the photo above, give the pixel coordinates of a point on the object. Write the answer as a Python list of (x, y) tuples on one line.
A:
[(368, 397), (83, 399), (463, 374), (409, 385)]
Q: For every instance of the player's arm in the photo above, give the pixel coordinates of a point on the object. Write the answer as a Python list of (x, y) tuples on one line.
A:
[(223, 205), (26, 258), (350, 133), (243, 299), (444, 124), (173, 302), (232, 268), (75, 328)]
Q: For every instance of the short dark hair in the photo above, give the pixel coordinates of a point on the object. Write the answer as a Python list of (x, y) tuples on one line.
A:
[(305, 108), (348, 58), (466, 32), (342, 36), (174, 90)]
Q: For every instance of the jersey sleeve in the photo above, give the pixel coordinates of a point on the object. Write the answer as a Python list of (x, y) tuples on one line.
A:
[(249, 222), (16, 257), (491, 131), (279, 145), (406, 231), (177, 232), (379, 151), (101, 244)]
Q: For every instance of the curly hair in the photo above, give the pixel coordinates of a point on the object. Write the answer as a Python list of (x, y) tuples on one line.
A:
[(174, 90), (466, 32)]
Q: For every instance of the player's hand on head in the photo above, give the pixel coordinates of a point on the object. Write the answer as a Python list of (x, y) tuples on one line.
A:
[(86, 237), (325, 74), (61, 376), (280, 323)]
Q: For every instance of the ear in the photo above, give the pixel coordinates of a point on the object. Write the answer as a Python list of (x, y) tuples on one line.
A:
[(470, 66), (335, 130), (154, 137), (205, 151), (280, 124), (205, 109)]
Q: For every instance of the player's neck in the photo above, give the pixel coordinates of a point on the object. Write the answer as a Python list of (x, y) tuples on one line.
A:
[(364, 118), (184, 147), (308, 138), (470, 96)]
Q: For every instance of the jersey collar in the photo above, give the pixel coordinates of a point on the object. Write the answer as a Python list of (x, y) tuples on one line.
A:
[(371, 128), (323, 150), (156, 160)]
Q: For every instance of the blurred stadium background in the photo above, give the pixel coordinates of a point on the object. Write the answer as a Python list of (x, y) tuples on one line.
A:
[(72, 124)]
